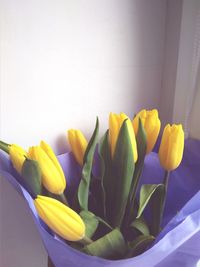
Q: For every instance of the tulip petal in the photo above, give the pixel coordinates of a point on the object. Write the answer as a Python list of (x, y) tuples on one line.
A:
[(78, 144), (171, 147), (17, 156), (151, 124), (115, 124), (51, 178), (54, 159), (60, 218)]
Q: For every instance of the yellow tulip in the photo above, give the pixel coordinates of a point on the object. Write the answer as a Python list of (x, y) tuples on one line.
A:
[(151, 124), (115, 123), (171, 147), (61, 219), (17, 156), (53, 177), (78, 144)]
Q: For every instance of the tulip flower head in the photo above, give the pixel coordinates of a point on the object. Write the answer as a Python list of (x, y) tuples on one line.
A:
[(171, 147), (52, 174), (115, 123), (78, 144), (151, 124), (17, 156), (61, 219)]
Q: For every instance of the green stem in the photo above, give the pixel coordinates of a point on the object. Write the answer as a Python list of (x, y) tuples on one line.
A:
[(4, 147), (166, 179), (64, 199), (86, 241), (165, 182)]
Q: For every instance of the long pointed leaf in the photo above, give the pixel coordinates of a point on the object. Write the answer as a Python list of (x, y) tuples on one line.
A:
[(157, 207), (141, 140), (140, 244), (146, 192), (104, 222), (123, 169), (106, 174), (91, 222), (31, 175), (141, 226), (83, 189), (96, 197), (110, 246)]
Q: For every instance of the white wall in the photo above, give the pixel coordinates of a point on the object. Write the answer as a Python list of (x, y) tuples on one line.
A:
[(62, 63), (68, 61)]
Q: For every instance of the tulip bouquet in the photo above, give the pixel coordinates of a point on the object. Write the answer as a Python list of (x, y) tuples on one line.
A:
[(106, 210)]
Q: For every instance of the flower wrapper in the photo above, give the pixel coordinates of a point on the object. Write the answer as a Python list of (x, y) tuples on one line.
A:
[(179, 241)]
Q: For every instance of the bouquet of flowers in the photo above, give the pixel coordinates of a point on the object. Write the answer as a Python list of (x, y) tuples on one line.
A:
[(94, 200)]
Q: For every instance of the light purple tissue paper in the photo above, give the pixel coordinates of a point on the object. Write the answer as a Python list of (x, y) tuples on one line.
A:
[(178, 243)]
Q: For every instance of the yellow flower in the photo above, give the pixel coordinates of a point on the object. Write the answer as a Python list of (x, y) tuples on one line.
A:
[(17, 156), (78, 144), (115, 123), (171, 147), (151, 124), (52, 174), (61, 219)]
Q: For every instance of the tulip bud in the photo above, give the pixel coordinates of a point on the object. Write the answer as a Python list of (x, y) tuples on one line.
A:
[(17, 156), (53, 177), (78, 144), (61, 219), (171, 147), (151, 124), (115, 123)]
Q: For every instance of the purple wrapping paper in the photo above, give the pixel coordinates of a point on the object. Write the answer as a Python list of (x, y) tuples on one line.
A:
[(177, 244)]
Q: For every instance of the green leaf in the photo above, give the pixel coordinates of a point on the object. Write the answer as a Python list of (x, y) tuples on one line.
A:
[(4, 146), (141, 140), (104, 222), (123, 169), (141, 226), (97, 197), (146, 192), (110, 246), (31, 175), (157, 208), (140, 244), (106, 174), (83, 189), (91, 222)]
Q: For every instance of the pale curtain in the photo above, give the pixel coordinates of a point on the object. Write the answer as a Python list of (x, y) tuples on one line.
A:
[(192, 116)]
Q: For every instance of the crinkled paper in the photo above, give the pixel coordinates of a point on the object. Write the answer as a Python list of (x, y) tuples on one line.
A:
[(179, 242)]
